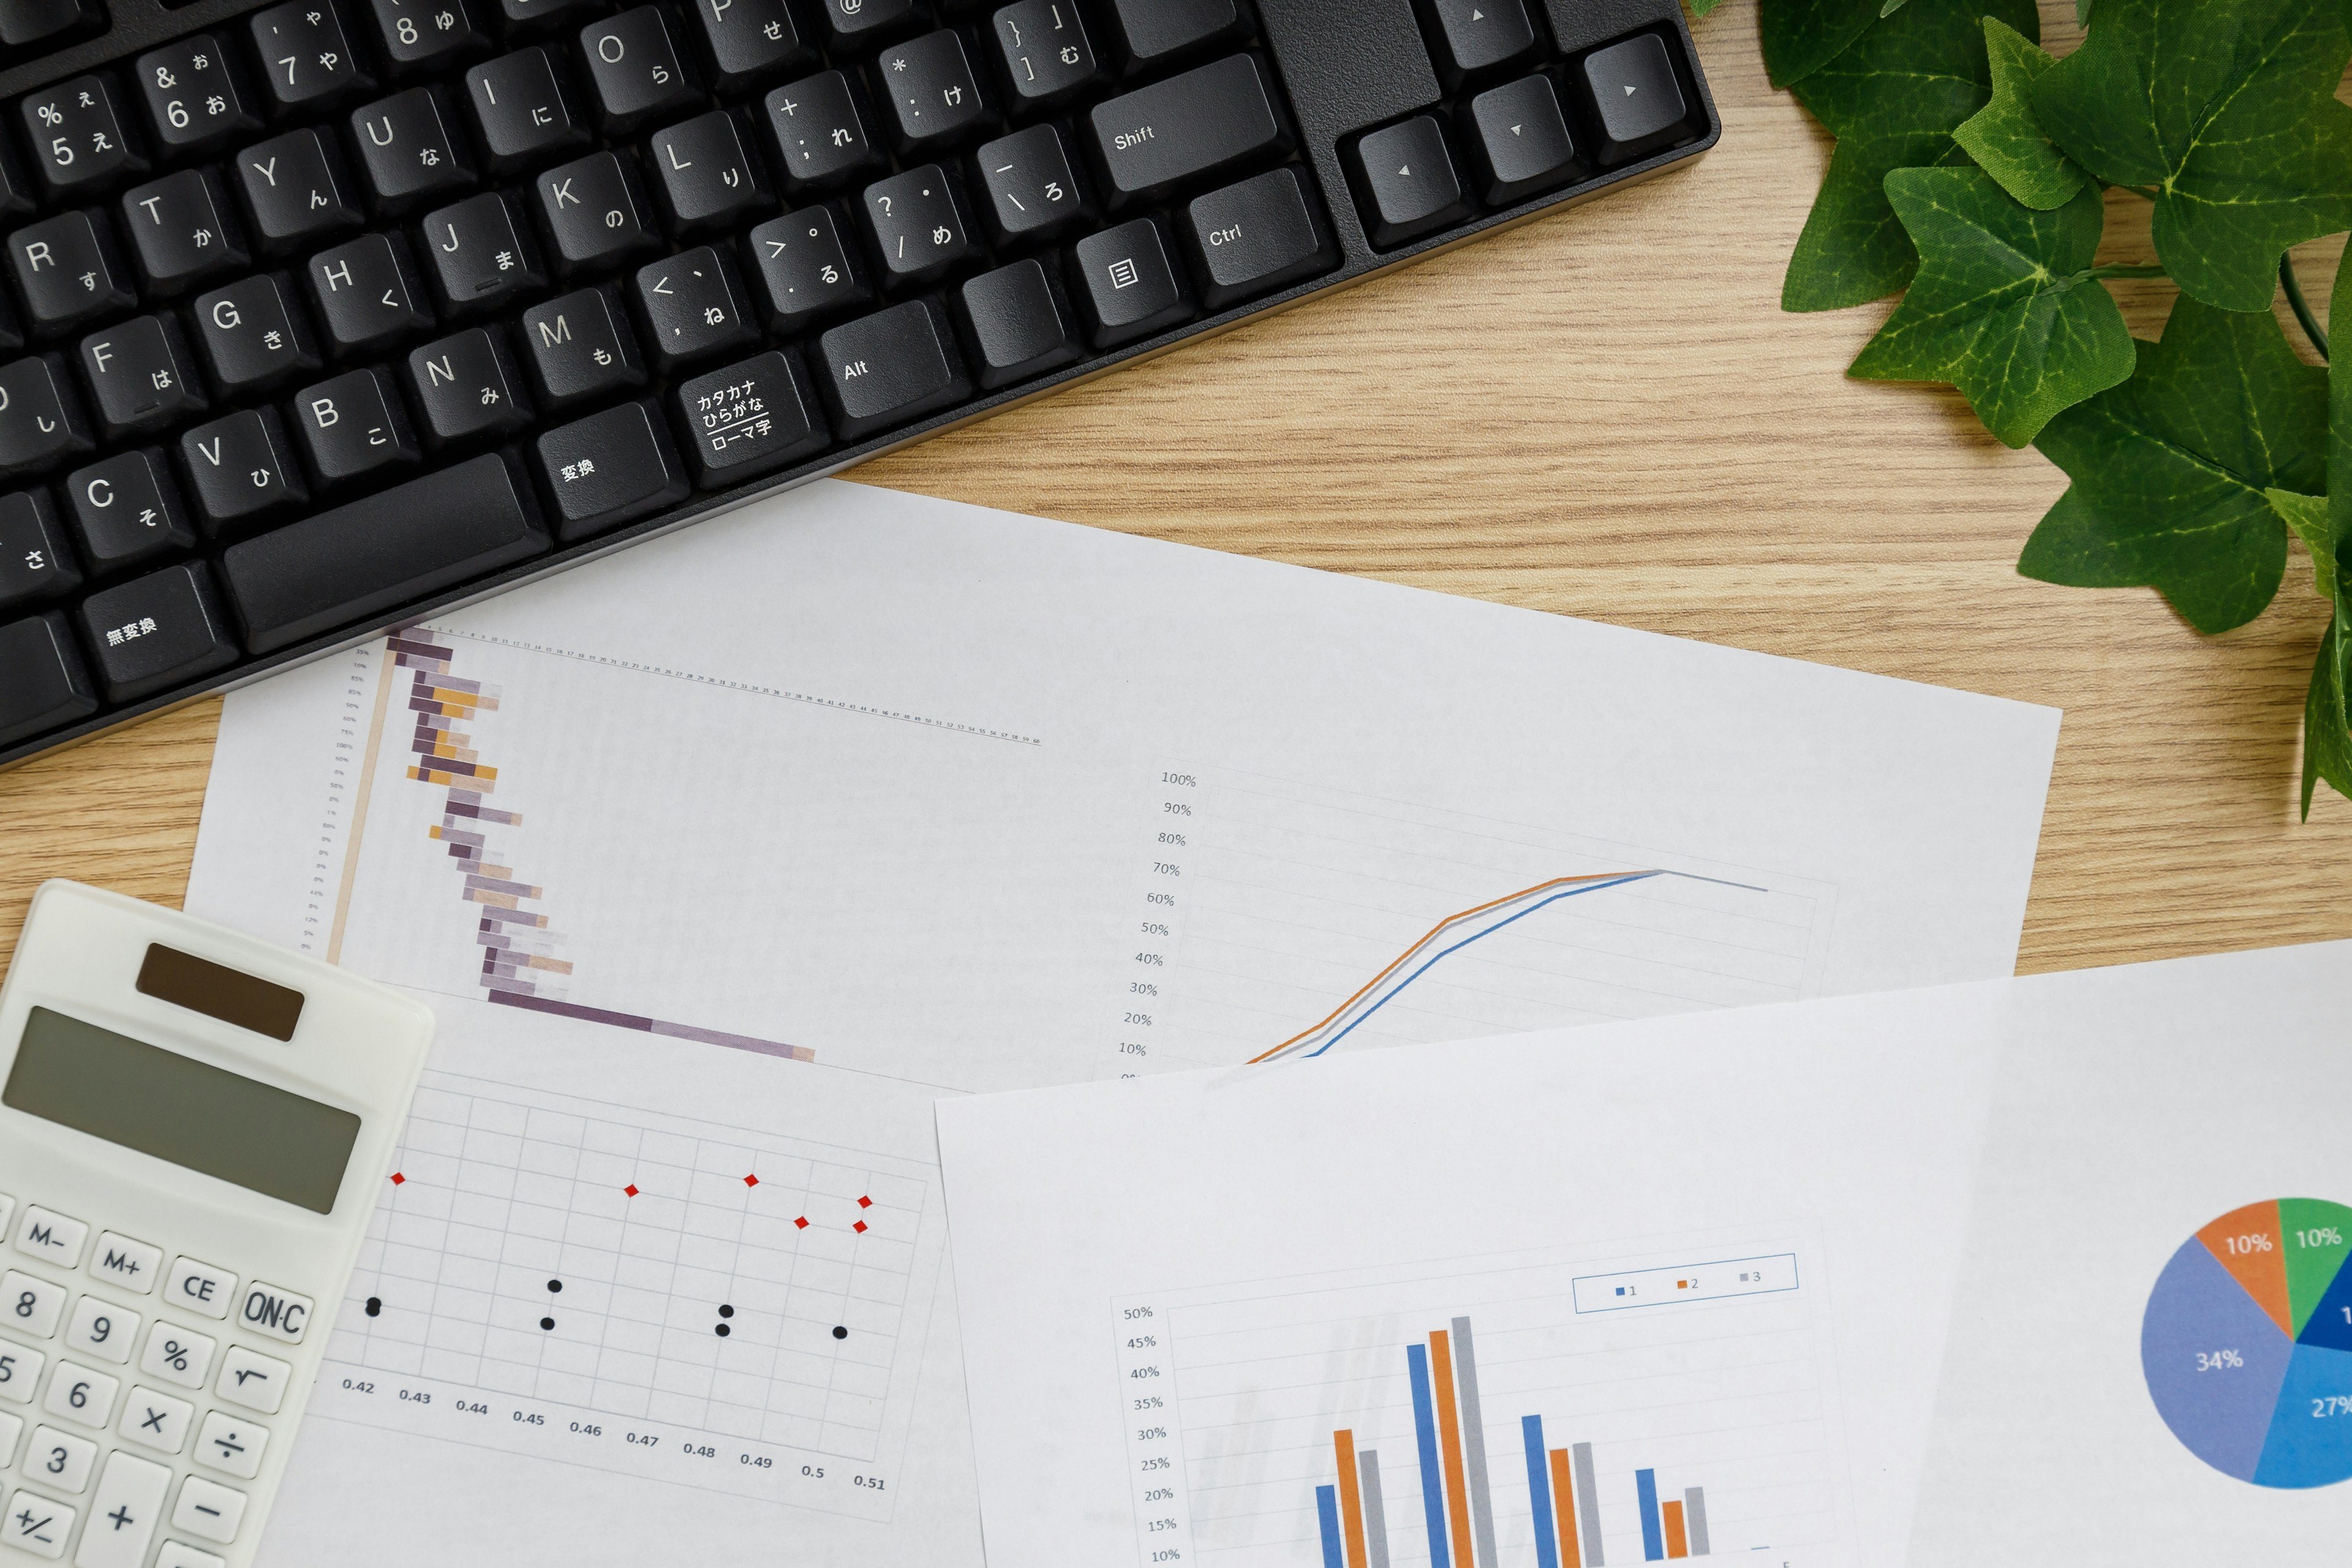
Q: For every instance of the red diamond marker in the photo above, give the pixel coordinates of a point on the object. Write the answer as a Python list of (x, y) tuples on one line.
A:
[(866, 1203), (751, 1181), (802, 1222), (859, 1226), (397, 1178), (631, 1189)]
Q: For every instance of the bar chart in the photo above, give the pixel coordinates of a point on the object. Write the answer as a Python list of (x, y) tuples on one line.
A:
[(1358, 1421)]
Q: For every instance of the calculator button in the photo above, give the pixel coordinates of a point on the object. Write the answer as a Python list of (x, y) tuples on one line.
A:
[(130, 1265), (36, 1525), (156, 1420), (59, 1460), (176, 1355), (231, 1444), (20, 1370), (11, 1428), (275, 1310), (124, 1513), (180, 1555), (102, 1330), (81, 1393), (7, 1207), (209, 1509), (253, 1380), (200, 1287), (30, 1306), (51, 1237)]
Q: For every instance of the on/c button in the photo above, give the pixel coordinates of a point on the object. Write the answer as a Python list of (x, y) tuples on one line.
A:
[(200, 1287)]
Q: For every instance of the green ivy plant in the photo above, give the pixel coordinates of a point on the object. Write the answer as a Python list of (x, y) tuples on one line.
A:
[(1971, 174)]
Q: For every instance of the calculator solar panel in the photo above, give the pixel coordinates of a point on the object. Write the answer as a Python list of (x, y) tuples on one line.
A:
[(323, 314)]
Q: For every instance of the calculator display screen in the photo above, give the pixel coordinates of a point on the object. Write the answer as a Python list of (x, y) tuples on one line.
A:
[(177, 1109)]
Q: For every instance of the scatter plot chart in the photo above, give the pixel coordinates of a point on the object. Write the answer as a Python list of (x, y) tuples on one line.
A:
[(612, 1287)]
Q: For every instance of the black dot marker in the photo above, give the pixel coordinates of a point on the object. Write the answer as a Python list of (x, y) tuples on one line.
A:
[(725, 1311), (555, 1286), (374, 1305), (839, 1332), (722, 1330), (547, 1322)]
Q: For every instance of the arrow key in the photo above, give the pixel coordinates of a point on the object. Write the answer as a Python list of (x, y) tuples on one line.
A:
[(1522, 140), (1637, 97), (1405, 182), (1472, 35)]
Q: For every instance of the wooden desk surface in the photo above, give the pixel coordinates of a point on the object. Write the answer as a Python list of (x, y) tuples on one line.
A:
[(1605, 414)]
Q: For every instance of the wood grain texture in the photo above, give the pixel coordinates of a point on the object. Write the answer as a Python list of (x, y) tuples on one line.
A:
[(1606, 414)]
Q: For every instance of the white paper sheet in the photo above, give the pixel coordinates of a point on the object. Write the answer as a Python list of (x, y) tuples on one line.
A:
[(807, 815)]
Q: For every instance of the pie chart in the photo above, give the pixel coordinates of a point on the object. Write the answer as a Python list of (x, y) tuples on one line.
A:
[(2247, 1344)]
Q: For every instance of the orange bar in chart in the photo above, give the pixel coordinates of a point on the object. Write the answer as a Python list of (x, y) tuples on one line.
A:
[(2249, 1243), (1564, 1509), (1677, 1538), (1351, 1499), (1449, 1434)]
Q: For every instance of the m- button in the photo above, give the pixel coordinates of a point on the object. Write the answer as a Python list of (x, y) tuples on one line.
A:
[(130, 1264), (277, 1313), (51, 1237), (200, 1287)]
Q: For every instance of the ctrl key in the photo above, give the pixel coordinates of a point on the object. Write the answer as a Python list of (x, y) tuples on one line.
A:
[(46, 684), (609, 468), (157, 630)]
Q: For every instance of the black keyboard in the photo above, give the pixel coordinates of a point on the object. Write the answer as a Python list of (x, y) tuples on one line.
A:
[(321, 314)]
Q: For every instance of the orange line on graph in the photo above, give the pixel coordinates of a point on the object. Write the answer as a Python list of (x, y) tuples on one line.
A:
[(1398, 962), (1449, 1432)]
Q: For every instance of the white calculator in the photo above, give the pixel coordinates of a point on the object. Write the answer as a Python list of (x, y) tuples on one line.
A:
[(195, 1126)]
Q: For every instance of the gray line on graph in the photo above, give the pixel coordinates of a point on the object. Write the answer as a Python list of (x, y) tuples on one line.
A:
[(1588, 1504), (1473, 1443), (1376, 1518), (1694, 1516)]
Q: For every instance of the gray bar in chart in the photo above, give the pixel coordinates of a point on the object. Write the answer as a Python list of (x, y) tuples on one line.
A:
[(1474, 1445), (1588, 1503), (1695, 1519), (1376, 1518)]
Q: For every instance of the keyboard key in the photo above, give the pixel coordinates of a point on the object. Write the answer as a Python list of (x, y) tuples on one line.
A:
[(47, 687), (1254, 237), (416, 35), (150, 633), (59, 1460), (35, 563), (53, 1237), (1636, 99), (1021, 323), (124, 1514), (469, 387), (870, 21), (353, 427), (30, 1305), (409, 149), (242, 468), (746, 39), (1478, 34), (749, 419), (127, 510), (890, 367), (803, 269), (11, 1428), (1186, 126), (273, 1309), (918, 224), (68, 271), (126, 1264), (18, 194), (253, 1380), (155, 1420), (141, 375), (610, 468), (1522, 140), (25, 22), (482, 257), (1132, 288), (232, 1444), (1156, 31), (34, 1524), (174, 1354), (1408, 182), (208, 1509), (255, 334), (102, 1330), (519, 108), (935, 94), (532, 14), (367, 294), (707, 177), (20, 1369), (693, 307), (306, 60), (1032, 189), (635, 72), (197, 98), (41, 419), (80, 141), (819, 124), (296, 190), (595, 213), (580, 346), (180, 230), (197, 1286), (1043, 48), (371, 555), (82, 1395)]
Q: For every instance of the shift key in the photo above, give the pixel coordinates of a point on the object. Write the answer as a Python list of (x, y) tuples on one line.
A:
[(1209, 117)]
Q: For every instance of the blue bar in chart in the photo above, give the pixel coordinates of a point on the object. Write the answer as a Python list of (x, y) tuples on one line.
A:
[(1539, 1492), (1327, 1508), (1425, 1428), (1653, 1535)]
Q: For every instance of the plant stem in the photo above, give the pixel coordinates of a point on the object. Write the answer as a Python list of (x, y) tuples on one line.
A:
[(2149, 271), (2300, 306)]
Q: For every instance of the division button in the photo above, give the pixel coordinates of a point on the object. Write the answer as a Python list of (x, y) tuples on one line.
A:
[(1408, 182), (1637, 98), (1255, 236), (757, 414)]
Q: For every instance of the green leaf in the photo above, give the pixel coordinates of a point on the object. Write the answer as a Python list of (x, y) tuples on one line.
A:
[(2326, 741), (1892, 101), (2005, 139), (2172, 467), (1800, 36), (2307, 517), (2326, 745), (2081, 13), (2226, 109), (1701, 7), (2004, 307)]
